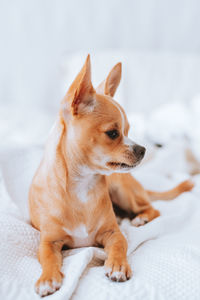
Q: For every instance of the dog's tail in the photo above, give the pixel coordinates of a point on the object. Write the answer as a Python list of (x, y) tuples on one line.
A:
[(184, 186)]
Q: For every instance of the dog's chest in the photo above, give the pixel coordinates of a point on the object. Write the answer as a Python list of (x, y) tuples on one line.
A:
[(80, 236)]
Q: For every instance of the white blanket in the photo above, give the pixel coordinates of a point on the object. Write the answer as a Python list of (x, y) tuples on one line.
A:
[(164, 254)]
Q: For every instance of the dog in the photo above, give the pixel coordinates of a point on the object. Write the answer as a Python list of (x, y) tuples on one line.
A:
[(86, 164)]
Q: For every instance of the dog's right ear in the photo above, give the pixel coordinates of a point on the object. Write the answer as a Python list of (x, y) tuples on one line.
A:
[(80, 95), (110, 85)]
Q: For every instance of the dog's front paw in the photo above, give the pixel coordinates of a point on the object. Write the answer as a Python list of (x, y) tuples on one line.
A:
[(118, 270), (139, 221), (47, 284)]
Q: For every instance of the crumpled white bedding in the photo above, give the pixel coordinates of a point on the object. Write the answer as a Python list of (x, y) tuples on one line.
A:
[(164, 254)]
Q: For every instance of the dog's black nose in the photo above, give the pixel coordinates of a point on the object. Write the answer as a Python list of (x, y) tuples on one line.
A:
[(139, 151)]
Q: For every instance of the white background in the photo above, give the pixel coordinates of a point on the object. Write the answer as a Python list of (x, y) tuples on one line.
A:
[(35, 35)]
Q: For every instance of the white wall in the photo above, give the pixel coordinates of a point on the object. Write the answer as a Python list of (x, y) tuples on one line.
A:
[(35, 34)]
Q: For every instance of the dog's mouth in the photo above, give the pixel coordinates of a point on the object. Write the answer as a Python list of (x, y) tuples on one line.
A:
[(118, 165)]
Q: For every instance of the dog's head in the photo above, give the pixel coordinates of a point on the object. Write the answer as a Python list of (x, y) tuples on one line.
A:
[(97, 126)]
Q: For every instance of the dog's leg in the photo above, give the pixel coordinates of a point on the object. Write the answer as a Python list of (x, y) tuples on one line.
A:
[(146, 216), (50, 257), (150, 213), (126, 192), (116, 264)]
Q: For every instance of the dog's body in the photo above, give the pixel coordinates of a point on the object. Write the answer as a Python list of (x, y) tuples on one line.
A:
[(79, 174)]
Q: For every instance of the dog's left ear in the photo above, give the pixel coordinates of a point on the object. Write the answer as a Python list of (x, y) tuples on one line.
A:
[(80, 95), (110, 84)]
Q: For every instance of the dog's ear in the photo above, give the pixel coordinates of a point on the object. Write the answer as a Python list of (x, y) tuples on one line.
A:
[(81, 93), (110, 84)]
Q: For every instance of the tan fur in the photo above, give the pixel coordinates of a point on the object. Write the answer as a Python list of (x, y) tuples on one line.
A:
[(70, 194)]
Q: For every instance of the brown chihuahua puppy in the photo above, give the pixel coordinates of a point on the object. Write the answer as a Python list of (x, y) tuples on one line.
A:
[(70, 194)]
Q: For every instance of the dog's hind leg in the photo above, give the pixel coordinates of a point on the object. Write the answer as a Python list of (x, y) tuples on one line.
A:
[(146, 216), (127, 193)]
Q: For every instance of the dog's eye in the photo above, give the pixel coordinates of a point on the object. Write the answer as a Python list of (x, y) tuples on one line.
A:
[(113, 134)]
